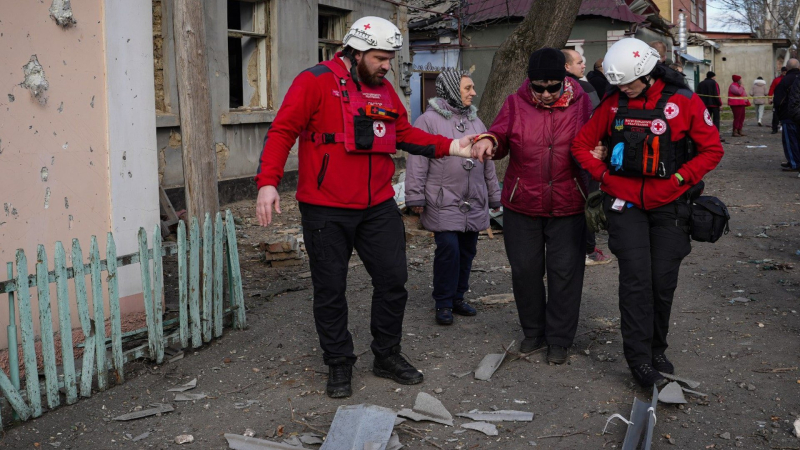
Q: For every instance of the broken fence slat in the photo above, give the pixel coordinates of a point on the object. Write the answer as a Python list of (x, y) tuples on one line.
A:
[(99, 316), (81, 299), (13, 396), (113, 302), (144, 265), (208, 247), (158, 298), (218, 264), (46, 329), (65, 324), (236, 273), (26, 324), (194, 282), (182, 294)]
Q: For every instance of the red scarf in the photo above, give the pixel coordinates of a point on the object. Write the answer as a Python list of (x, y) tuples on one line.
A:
[(562, 102)]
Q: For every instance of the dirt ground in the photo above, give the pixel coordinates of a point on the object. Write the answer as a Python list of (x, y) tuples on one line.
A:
[(744, 354)]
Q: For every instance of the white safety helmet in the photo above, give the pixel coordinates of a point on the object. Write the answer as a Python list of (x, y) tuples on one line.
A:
[(368, 33), (629, 59)]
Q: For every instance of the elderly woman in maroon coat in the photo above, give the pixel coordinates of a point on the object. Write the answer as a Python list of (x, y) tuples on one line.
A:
[(543, 201), (453, 195)]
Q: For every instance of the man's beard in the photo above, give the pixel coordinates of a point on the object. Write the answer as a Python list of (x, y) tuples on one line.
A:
[(370, 79)]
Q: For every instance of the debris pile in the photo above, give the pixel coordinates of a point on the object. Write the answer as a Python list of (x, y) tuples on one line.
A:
[(284, 252)]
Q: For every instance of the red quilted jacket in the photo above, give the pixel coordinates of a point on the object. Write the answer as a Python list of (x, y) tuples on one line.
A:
[(542, 177)]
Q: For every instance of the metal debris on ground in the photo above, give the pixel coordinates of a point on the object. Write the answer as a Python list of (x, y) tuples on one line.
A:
[(428, 408), (394, 442), (735, 300), (486, 428), (796, 430), (249, 432), (498, 416), (157, 409), (356, 426), (643, 415), (311, 438), (490, 364), (144, 435), (294, 441), (283, 252), (237, 442), (699, 394), (246, 404), (496, 299), (189, 397), (691, 384), (184, 439), (672, 393)]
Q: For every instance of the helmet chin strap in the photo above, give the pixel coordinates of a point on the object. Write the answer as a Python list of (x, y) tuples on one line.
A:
[(646, 80), (353, 71)]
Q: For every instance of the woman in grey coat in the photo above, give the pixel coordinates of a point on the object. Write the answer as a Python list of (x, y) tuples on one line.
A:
[(453, 195)]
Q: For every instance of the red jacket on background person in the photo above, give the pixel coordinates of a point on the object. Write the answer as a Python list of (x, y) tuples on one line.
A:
[(774, 84), (541, 175), (737, 95), (328, 175), (692, 118)]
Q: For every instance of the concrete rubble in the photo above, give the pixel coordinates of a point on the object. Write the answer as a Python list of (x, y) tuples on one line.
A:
[(284, 252)]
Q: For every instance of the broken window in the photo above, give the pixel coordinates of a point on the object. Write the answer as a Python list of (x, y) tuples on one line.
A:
[(248, 53), (332, 28)]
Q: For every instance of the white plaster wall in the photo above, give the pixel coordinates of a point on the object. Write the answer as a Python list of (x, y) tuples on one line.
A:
[(133, 160)]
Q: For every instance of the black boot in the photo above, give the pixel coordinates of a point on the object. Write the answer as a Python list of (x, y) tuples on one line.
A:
[(396, 368), (647, 376), (340, 372), (662, 364), (444, 316), (463, 308)]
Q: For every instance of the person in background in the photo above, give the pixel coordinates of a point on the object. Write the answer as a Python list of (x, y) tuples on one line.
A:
[(737, 100), (708, 90), (661, 48), (759, 93), (543, 206), (791, 146), (452, 195), (576, 66), (772, 86), (597, 78)]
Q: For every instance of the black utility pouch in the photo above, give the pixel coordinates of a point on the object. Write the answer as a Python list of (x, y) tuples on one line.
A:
[(709, 219), (364, 133)]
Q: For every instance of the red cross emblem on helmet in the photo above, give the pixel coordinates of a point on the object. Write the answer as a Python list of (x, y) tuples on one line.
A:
[(367, 26), (635, 54)]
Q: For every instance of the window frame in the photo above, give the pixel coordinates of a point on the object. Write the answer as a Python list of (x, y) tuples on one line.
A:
[(261, 32), (332, 43)]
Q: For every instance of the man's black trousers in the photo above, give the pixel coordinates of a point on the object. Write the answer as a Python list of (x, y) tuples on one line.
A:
[(649, 246), (378, 235), (555, 245)]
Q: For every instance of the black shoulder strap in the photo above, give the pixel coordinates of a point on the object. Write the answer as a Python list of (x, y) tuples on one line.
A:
[(622, 104), (669, 91)]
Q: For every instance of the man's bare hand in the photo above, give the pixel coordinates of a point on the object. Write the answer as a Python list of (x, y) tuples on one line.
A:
[(268, 198), (483, 149), (418, 209), (600, 151)]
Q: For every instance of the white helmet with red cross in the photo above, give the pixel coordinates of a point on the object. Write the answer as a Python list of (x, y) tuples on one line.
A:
[(368, 33), (629, 59)]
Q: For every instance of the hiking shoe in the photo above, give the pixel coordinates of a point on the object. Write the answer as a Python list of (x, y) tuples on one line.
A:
[(463, 308), (647, 376), (557, 354), (444, 316), (597, 257), (529, 345), (396, 368), (662, 364), (339, 376)]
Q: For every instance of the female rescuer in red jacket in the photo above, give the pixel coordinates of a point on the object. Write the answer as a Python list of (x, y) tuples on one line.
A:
[(649, 123)]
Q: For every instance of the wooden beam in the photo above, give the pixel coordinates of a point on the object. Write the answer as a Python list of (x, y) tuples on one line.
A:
[(199, 150)]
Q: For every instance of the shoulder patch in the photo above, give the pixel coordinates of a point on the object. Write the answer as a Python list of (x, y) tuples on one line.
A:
[(685, 92), (318, 70)]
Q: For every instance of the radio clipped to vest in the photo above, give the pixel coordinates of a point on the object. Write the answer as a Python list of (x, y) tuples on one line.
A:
[(641, 143)]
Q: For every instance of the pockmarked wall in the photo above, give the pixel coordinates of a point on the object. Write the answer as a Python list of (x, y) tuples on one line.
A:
[(70, 140)]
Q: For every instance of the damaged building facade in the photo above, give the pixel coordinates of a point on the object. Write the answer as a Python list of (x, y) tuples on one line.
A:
[(255, 50), (78, 136)]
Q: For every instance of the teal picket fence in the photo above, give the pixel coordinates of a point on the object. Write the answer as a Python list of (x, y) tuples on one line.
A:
[(211, 253)]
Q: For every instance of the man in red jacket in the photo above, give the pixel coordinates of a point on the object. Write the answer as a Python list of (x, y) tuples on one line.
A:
[(662, 141), (775, 115), (350, 120)]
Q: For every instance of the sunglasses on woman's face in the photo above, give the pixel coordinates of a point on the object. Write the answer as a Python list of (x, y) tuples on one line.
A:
[(551, 89)]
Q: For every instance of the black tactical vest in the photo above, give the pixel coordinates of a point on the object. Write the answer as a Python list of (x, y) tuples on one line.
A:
[(649, 150)]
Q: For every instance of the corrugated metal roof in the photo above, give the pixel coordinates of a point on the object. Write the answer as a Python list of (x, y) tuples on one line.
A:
[(484, 10)]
